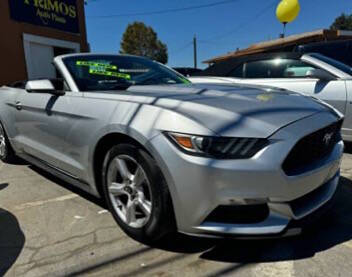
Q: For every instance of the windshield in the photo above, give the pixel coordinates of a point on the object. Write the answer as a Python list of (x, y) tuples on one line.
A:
[(109, 72), (339, 65)]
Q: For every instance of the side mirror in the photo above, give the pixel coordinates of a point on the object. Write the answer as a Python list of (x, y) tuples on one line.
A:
[(320, 74), (43, 86)]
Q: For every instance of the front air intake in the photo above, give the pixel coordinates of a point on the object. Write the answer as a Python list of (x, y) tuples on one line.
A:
[(239, 214)]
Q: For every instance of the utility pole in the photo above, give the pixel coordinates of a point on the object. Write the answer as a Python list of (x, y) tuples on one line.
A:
[(195, 51)]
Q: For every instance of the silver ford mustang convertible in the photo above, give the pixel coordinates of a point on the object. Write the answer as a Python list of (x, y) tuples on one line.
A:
[(168, 155)]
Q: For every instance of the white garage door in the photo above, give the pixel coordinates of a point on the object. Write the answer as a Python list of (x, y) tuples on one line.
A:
[(39, 54), (41, 61)]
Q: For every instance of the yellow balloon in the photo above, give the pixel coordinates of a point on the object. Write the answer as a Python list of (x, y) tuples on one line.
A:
[(287, 10)]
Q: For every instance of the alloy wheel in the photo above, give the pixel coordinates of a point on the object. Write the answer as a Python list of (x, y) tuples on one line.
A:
[(129, 191)]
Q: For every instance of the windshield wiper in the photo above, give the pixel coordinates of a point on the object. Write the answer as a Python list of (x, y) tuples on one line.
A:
[(149, 80)]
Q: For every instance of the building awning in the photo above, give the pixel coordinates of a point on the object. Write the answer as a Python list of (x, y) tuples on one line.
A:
[(281, 43)]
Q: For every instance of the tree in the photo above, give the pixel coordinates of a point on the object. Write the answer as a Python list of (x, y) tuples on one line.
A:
[(141, 40), (342, 22)]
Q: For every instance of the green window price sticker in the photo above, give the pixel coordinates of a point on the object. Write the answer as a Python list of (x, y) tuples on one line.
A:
[(95, 64), (110, 73)]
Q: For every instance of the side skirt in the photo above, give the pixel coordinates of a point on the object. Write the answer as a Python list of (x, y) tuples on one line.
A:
[(57, 172)]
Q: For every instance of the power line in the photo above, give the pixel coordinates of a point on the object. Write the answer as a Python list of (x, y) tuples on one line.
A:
[(214, 41), (167, 10), (240, 26), (180, 49)]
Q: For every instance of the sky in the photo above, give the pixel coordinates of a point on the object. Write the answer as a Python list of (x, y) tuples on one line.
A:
[(219, 29)]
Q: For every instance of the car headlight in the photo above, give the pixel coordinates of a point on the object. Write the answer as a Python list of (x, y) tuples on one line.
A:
[(218, 147)]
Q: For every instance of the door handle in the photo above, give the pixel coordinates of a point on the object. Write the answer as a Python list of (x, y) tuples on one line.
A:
[(18, 105)]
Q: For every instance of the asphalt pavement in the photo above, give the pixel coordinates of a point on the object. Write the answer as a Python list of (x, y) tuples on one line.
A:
[(49, 228)]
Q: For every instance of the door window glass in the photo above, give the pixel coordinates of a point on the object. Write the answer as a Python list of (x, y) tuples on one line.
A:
[(237, 72), (277, 68)]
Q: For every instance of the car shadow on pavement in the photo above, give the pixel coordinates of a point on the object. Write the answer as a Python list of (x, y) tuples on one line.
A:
[(12, 239), (17, 161), (332, 229)]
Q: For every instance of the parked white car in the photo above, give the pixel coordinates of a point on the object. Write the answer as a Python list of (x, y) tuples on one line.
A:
[(312, 74)]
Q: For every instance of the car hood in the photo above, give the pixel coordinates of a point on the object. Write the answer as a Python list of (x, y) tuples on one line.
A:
[(238, 111)]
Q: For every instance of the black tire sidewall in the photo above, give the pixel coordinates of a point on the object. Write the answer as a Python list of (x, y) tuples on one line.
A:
[(9, 155), (160, 222)]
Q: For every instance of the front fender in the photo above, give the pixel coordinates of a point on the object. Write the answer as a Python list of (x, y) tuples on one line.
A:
[(143, 122)]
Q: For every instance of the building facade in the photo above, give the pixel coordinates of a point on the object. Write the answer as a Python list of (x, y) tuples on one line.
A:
[(33, 32)]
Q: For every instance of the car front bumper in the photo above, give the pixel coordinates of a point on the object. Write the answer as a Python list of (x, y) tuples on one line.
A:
[(200, 185)]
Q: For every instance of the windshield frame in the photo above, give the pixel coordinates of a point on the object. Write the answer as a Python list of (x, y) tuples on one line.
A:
[(175, 76), (346, 69)]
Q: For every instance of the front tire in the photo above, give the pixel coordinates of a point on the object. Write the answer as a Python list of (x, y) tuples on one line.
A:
[(136, 193), (7, 155)]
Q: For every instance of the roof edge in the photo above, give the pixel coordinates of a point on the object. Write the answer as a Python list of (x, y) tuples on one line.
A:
[(286, 41)]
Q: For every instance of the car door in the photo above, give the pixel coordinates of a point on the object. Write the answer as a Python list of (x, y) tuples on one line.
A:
[(291, 74), (43, 121), (347, 125)]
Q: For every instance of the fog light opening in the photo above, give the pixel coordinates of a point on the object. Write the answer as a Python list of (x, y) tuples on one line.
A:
[(239, 214)]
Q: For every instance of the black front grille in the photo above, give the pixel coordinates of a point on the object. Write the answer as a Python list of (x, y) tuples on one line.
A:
[(312, 149)]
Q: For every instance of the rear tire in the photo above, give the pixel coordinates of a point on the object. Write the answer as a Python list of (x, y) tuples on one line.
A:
[(137, 194), (7, 155)]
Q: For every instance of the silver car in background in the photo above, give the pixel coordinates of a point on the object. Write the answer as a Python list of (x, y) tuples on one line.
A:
[(169, 155), (313, 74)]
